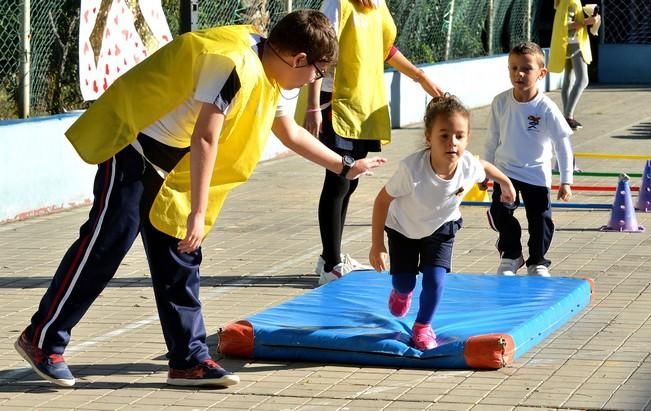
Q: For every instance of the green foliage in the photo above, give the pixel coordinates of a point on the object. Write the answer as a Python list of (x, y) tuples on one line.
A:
[(8, 107), (63, 92), (423, 36), (172, 13)]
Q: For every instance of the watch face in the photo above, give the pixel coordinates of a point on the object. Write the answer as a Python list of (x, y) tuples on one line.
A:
[(348, 160)]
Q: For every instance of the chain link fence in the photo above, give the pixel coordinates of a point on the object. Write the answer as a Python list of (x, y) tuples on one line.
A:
[(428, 31), (627, 22), (263, 14), (52, 56), (9, 57)]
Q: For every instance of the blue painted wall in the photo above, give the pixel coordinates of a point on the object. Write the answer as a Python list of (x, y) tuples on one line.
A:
[(625, 63)]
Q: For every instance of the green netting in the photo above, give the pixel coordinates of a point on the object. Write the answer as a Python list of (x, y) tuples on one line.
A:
[(428, 31), (53, 40), (9, 58), (627, 21), (261, 13)]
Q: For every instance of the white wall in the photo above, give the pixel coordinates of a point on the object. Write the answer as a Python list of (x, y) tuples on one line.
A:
[(40, 172), (474, 81)]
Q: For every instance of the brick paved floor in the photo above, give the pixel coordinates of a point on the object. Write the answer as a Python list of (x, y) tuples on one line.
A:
[(263, 251)]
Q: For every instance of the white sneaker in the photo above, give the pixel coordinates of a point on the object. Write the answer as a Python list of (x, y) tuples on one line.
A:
[(510, 266), (539, 270), (337, 272), (346, 259), (318, 269)]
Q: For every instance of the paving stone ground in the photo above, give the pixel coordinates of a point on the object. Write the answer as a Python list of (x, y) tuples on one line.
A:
[(262, 252)]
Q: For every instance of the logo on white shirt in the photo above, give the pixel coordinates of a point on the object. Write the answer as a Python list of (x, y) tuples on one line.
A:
[(534, 121)]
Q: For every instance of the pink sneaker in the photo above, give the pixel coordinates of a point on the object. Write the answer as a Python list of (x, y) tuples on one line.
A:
[(423, 337), (399, 303)]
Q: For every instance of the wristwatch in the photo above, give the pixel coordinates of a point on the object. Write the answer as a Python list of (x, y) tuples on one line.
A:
[(347, 162)]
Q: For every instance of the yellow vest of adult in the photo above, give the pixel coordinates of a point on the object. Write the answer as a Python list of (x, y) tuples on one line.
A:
[(360, 107), (161, 83), (558, 48)]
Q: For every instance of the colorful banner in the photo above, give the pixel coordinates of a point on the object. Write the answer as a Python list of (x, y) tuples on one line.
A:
[(115, 35)]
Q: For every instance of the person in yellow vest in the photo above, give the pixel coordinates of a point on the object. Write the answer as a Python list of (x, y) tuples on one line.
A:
[(570, 53), (172, 137), (348, 110)]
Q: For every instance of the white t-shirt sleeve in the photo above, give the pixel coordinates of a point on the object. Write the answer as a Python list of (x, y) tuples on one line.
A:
[(282, 108), (331, 10), (564, 156), (560, 133), (493, 133), (477, 170), (400, 184), (218, 81)]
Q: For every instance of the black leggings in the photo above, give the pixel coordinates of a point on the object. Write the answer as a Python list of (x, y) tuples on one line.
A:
[(333, 205), (336, 191)]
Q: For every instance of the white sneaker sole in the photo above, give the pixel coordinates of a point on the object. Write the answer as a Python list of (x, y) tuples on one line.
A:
[(327, 278), (59, 382), (225, 381)]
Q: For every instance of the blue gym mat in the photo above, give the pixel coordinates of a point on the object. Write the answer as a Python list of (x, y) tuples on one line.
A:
[(483, 322)]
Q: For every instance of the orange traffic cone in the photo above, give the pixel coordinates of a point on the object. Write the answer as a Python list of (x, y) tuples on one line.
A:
[(644, 197), (622, 217)]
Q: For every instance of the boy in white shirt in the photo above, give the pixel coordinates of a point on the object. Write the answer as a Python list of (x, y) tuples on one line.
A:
[(524, 127)]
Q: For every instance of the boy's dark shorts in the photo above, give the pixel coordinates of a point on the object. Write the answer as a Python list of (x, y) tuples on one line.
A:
[(408, 256)]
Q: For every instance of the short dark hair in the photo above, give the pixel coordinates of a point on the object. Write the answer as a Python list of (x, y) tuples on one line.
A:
[(529, 47), (443, 105), (306, 31)]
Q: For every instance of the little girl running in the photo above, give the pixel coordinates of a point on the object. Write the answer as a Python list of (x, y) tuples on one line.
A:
[(419, 210)]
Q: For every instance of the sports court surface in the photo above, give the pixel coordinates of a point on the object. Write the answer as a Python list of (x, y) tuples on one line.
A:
[(262, 253)]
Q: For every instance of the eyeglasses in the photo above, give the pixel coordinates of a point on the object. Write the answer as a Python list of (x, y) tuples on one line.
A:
[(319, 73)]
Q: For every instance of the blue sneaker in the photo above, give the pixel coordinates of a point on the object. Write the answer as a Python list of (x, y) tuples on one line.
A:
[(208, 373), (52, 367)]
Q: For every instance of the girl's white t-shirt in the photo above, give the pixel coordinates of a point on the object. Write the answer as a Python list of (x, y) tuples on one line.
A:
[(424, 201)]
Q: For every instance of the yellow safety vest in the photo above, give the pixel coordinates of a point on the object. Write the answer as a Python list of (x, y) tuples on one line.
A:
[(558, 49), (161, 83), (360, 108)]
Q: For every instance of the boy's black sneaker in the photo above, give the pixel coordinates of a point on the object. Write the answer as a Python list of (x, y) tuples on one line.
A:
[(52, 367), (208, 373), (574, 125)]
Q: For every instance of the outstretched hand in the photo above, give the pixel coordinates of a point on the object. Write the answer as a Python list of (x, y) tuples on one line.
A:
[(430, 87), (363, 166)]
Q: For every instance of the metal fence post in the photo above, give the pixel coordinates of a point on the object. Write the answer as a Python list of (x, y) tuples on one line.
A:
[(448, 37), (491, 23), (602, 29), (289, 6), (25, 61), (189, 15), (528, 27)]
